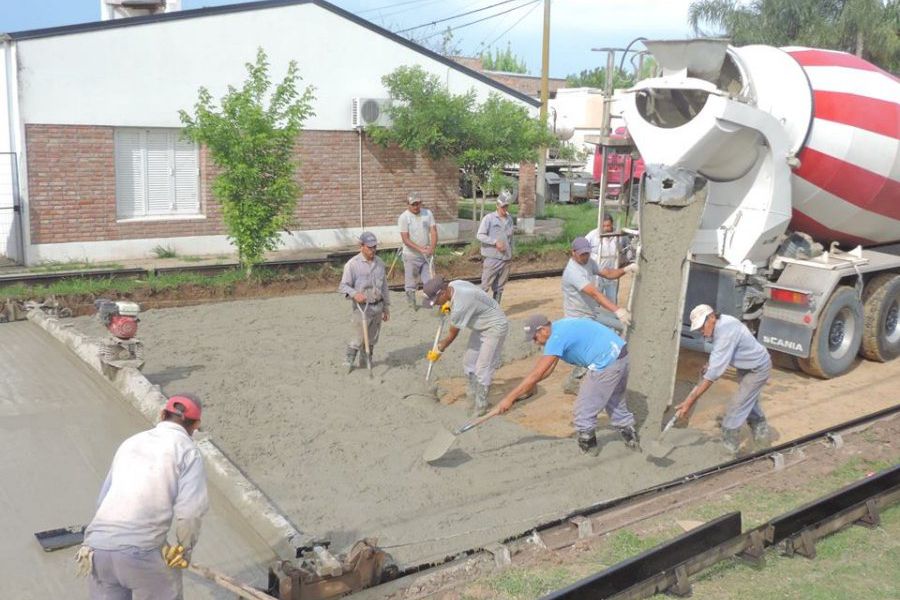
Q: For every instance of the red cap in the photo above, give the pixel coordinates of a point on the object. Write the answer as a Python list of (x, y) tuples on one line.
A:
[(191, 406)]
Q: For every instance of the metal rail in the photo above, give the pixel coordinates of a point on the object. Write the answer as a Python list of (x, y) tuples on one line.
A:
[(668, 566)]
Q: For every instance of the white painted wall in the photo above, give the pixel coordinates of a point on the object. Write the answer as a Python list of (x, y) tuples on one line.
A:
[(210, 245), (9, 240), (142, 75)]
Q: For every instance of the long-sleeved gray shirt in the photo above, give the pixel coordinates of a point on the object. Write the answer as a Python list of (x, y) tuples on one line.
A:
[(156, 476), (733, 344), (368, 277), (494, 228)]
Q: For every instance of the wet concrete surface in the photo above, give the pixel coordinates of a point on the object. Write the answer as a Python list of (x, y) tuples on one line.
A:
[(60, 424)]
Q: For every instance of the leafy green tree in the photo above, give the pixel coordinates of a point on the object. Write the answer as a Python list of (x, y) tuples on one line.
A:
[(867, 28), (251, 138), (596, 78), (479, 138), (503, 60)]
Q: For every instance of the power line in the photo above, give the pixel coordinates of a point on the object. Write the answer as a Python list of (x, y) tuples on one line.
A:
[(368, 10), (485, 18), (511, 27), (430, 23)]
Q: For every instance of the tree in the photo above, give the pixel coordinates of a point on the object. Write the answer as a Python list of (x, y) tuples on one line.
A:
[(503, 60), (479, 138), (252, 144), (867, 28), (596, 78)]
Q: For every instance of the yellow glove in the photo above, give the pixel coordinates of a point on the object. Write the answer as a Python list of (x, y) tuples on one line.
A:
[(433, 355), (445, 308), (174, 557)]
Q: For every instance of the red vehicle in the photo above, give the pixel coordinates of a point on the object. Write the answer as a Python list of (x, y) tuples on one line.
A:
[(618, 167)]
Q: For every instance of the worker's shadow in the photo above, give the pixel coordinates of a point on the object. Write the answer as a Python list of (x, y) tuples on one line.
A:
[(515, 309), (164, 378), (406, 356)]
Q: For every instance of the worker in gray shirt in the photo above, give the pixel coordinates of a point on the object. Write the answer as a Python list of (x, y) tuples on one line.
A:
[(472, 308), (734, 345), (582, 298), (496, 235), (364, 282), (419, 234)]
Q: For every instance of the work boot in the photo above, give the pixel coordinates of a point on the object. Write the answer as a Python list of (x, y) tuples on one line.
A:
[(411, 300), (350, 357), (471, 387), (587, 441), (731, 439), (573, 381), (630, 437), (760, 429), (481, 400)]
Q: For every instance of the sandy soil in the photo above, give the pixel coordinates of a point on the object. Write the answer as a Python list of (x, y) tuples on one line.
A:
[(341, 455)]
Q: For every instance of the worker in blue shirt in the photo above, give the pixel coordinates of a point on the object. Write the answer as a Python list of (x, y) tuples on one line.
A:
[(734, 345), (583, 343)]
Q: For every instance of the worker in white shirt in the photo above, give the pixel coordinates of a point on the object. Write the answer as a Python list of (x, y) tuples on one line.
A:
[(418, 231), (156, 477), (605, 251)]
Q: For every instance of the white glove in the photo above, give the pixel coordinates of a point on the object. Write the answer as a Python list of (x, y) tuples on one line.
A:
[(631, 268), (84, 561), (624, 316)]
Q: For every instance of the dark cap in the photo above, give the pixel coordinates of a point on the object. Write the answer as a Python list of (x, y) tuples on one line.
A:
[(581, 245), (433, 288), (367, 238), (532, 324)]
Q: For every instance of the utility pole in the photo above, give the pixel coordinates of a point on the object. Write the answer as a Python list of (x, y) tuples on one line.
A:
[(540, 188)]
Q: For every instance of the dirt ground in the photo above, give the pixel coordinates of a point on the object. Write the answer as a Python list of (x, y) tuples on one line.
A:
[(341, 454)]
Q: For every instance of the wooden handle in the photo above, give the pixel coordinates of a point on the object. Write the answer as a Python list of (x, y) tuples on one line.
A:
[(232, 585)]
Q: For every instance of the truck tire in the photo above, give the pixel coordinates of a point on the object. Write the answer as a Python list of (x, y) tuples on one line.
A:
[(881, 318), (837, 339)]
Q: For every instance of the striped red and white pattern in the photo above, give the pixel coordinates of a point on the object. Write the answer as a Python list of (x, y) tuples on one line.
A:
[(847, 187)]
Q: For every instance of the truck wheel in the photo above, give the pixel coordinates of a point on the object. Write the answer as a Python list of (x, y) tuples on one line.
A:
[(881, 312), (837, 338)]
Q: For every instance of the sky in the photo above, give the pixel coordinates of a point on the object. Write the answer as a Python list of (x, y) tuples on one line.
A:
[(576, 26)]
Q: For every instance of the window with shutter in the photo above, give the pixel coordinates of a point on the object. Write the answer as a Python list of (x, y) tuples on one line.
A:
[(156, 174)]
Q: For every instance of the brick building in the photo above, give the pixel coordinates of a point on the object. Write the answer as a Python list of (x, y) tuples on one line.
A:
[(89, 121)]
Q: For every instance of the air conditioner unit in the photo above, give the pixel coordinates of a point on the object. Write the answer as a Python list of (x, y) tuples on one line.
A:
[(370, 111)]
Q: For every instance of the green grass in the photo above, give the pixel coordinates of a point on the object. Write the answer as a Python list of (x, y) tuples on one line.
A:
[(53, 266), (191, 259), (164, 252), (529, 583)]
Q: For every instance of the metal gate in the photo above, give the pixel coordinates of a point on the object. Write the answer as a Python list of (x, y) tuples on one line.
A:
[(11, 241)]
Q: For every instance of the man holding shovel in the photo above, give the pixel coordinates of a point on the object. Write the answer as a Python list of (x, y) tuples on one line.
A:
[(364, 282), (583, 343), (582, 298), (734, 345), (472, 308), (419, 234)]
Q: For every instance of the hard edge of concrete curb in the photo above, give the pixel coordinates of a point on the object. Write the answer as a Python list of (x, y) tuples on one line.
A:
[(250, 501)]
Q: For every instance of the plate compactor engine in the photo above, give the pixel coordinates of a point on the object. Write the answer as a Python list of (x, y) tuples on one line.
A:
[(121, 320)]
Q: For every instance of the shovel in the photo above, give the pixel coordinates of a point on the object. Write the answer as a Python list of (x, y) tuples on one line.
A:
[(437, 338), (445, 439), (657, 448), (365, 330)]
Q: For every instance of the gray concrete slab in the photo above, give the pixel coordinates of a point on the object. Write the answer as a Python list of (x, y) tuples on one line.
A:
[(60, 424)]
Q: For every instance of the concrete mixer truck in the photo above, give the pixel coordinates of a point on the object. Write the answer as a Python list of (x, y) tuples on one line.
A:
[(800, 234)]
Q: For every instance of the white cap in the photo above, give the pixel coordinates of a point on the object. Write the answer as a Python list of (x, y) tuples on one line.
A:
[(699, 315)]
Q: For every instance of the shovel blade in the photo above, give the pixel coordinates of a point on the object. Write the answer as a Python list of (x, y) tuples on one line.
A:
[(658, 449), (439, 446)]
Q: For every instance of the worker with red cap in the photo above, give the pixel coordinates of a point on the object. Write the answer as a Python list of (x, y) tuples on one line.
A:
[(156, 477)]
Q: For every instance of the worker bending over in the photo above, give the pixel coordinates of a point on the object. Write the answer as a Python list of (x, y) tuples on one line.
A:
[(734, 345), (156, 476), (583, 343), (582, 298), (496, 235), (418, 231), (470, 307), (364, 282)]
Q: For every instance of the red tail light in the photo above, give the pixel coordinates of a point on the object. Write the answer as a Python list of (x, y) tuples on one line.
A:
[(789, 296)]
